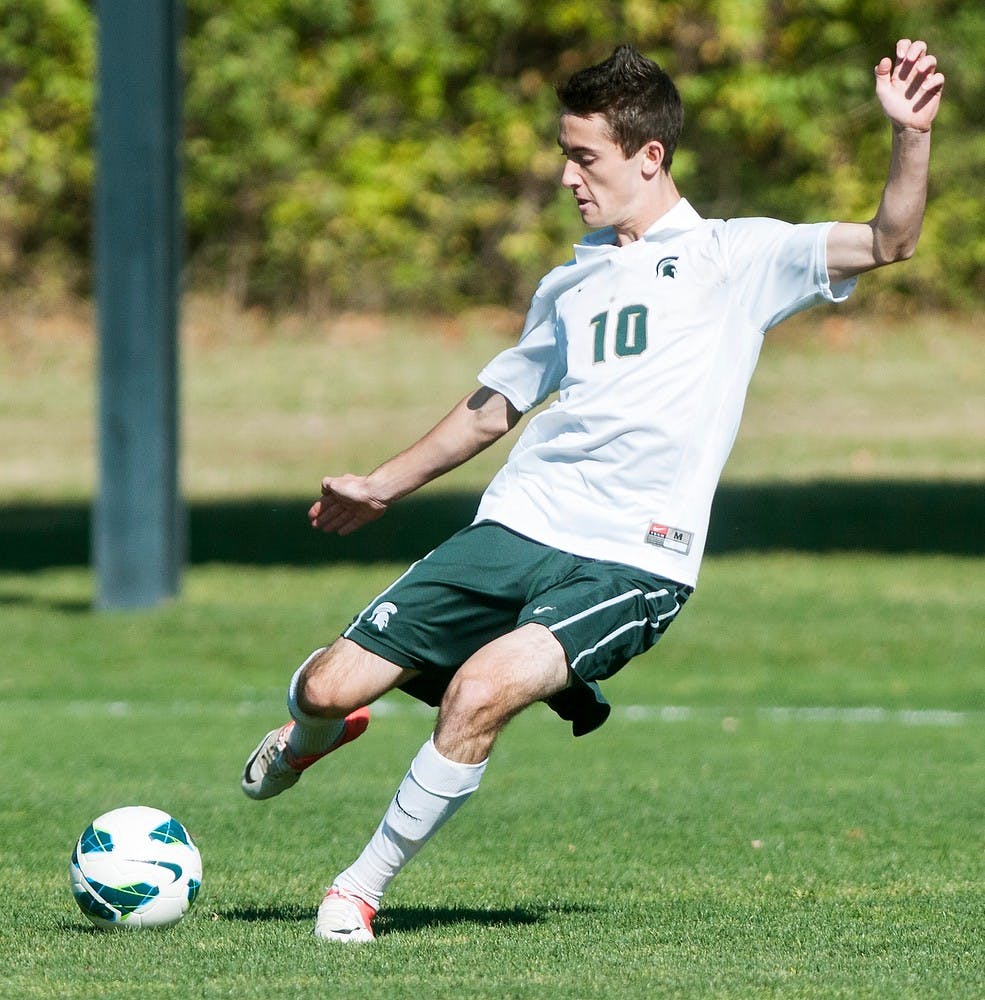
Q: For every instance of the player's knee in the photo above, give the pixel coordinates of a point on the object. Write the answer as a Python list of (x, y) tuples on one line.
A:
[(336, 681), (477, 699), (321, 686)]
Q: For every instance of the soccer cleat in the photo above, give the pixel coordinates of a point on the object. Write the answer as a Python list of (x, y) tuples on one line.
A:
[(344, 917), (272, 768)]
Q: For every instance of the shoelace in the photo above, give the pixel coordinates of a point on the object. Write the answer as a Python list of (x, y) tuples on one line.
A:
[(277, 759), (273, 757)]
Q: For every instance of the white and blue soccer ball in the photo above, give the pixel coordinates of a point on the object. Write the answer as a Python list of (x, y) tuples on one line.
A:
[(135, 867)]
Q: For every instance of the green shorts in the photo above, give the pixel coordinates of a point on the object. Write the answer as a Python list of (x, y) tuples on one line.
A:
[(485, 581)]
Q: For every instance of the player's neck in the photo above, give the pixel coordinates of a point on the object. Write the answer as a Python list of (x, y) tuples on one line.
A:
[(662, 199)]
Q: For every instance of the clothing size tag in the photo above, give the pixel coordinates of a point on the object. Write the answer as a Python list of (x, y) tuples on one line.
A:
[(675, 539)]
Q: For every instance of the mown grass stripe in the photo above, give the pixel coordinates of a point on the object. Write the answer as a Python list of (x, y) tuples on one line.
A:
[(779, 714)]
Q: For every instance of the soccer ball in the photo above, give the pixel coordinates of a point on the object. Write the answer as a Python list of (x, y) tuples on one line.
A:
[(135, 867)]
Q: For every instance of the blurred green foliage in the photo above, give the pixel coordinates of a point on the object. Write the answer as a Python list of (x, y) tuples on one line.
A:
[(47, 62), (401, 153)]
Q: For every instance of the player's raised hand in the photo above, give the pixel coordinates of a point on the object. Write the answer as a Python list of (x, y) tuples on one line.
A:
[(346, 503), (909, 87)]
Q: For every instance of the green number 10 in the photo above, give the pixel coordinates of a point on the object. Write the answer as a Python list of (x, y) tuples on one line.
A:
[(630, 332)]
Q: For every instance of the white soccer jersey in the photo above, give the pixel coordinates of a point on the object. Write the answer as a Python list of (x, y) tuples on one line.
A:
[(651, 347)]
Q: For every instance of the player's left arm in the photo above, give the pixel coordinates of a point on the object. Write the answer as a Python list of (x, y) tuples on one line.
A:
[(909, 89)]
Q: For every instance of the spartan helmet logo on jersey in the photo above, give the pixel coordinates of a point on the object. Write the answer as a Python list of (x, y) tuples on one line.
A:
[(381, 614), (667, 267)]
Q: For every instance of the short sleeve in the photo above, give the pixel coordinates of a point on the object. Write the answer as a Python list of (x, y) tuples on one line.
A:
[(779, 269), (527, 373)]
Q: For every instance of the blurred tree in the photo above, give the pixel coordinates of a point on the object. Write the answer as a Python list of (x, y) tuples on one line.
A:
[(401, 153), (46, 71)]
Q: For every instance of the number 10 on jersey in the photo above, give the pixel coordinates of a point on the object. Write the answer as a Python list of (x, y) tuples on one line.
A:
[(630, 335)]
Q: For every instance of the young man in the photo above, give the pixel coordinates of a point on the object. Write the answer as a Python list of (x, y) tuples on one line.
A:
[(587, 543)]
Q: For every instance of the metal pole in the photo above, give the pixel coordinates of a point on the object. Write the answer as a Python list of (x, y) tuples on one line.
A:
[(138, 519)]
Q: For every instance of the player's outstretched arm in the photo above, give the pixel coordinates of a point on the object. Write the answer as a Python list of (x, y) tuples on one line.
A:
[(348, 502), (909, 90)]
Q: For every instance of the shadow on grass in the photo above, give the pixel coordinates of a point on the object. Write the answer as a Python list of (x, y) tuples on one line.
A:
[(396, 919), (407, 919), (263, 914), (67, 606), (821, 516)]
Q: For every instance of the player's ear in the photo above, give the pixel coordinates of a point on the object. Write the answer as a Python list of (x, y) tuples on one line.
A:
[(653, 158)]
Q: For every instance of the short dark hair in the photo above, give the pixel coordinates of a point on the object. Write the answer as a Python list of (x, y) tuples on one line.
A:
[(637, 98)]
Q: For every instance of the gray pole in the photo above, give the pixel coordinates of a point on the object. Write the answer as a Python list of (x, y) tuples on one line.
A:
[(138, 520)]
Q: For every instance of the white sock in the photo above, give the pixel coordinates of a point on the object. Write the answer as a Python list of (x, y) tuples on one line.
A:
[(430, 794), (311, 733)]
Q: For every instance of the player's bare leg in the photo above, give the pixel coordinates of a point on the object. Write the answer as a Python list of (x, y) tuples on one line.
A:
[(493, 686), (327, 702), (490, 688), (334, 681)]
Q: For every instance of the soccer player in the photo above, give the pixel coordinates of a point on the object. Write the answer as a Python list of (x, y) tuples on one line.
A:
[(586, 544)]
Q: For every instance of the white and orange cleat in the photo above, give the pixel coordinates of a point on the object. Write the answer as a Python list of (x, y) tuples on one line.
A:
[(272, 767), (344, 917)]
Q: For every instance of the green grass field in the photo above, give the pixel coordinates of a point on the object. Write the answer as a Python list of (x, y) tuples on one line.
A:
[(786, 802)]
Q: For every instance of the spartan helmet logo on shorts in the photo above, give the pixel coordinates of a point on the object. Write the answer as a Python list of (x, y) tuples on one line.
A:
[(381, 614)]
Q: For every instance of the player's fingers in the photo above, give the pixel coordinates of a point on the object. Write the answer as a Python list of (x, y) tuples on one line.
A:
[(323, 516), (910, 51), (909, 57), (333, 519), (333, 498), (923, 70), (324, 510), (349, 527), (931, 90), (357, 520)]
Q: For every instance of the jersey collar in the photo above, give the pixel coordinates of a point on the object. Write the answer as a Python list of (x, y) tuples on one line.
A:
[(673, 222)]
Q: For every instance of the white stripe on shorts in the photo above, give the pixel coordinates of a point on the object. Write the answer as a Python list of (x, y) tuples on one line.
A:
[(622, 628), (605, 604)]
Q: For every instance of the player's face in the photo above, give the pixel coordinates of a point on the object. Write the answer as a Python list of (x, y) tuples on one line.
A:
[(609, 189)]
